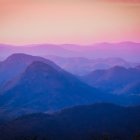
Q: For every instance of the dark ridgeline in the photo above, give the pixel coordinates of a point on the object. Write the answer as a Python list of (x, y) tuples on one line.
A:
[(93, 122)]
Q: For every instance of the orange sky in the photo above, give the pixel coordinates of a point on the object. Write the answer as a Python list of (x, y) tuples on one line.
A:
[(69, 21)]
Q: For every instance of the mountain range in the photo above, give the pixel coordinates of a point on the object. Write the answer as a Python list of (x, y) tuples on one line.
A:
[(59, 92), (127, 50), (15, 64), (35, 49), (116, 80), (33, 84), (45, 87), (81, 66)]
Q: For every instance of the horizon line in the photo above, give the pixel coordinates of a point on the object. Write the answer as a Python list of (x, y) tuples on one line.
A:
[(61, 44)]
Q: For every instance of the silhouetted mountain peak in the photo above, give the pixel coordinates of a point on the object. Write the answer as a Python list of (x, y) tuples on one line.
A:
[(15, 55), (17, 63), (25, 58), (18, 57)]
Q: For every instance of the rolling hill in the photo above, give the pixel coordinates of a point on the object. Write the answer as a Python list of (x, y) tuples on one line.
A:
[(113, 79), (82, 122), (41, 87), (15, 64)]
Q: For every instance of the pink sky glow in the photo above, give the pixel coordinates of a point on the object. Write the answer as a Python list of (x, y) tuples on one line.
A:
[(69, 21)]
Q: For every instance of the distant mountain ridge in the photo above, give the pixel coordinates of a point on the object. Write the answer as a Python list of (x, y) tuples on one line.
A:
[(81, 66), (127, 50), (113, 79), (34, 49)]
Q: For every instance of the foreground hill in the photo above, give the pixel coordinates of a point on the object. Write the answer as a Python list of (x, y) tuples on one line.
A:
[(83, 123), (45, 88)]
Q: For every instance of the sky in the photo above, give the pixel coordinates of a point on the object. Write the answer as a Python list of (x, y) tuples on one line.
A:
[(69, 21)]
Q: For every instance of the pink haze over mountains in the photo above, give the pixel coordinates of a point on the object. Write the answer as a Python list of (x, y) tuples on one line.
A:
[(127, 50), (64, 23)]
